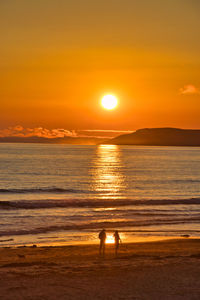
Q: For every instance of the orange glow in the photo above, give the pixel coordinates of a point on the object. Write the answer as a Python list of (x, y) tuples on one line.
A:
[(63, 64)]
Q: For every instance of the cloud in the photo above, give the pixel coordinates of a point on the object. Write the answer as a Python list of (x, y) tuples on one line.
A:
[(20, 131), (189, 89), (18, 128)]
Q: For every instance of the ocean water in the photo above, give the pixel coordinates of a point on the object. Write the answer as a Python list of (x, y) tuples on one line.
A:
[(63, 194)]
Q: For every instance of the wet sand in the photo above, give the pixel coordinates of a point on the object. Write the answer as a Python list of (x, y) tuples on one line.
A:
[(152, 270)]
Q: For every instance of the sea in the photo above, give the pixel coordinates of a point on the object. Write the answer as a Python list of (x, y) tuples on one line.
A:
[(65, 194)]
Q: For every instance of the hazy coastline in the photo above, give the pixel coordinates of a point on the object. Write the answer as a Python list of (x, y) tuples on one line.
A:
[(142, 137)]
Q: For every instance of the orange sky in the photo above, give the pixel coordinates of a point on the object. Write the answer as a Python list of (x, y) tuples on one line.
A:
[(58, 58)]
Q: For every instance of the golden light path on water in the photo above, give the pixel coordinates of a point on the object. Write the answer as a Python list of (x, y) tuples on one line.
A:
[(108, 179)]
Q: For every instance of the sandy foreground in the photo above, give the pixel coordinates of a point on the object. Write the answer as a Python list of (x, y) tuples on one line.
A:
[(153, 270)]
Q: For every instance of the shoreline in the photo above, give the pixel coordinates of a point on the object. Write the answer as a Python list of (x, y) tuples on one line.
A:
[(152, 241), (94, 242), (166, 269)]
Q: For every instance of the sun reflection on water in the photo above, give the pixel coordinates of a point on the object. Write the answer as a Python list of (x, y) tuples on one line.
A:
[(110, 239), (108, 179)]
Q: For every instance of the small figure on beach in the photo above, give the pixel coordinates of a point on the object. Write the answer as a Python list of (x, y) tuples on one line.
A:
[(102, 237), (117, 240)]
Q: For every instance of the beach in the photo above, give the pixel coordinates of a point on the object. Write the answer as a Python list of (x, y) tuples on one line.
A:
[(166, 269)]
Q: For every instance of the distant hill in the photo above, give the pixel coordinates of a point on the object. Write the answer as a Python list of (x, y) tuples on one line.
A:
[(64, 140), (159, 137)]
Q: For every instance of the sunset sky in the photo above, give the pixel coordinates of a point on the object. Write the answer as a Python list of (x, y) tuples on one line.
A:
[(59, 58)]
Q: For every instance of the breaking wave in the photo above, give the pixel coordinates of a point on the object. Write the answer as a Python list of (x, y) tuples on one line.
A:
[(39, 190), (91, 203), (94, 226)]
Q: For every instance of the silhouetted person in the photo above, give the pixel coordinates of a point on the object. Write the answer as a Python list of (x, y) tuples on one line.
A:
[(102, 237), (117, 240)]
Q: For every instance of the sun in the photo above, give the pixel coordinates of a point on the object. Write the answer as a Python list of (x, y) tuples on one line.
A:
[(109, 102)]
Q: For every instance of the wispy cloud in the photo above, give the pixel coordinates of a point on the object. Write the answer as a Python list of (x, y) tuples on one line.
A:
[(101, 133), (189, 89), (108, 130), (20, 131)]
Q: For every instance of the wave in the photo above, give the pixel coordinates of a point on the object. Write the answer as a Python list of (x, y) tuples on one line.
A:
[(109, 225), (41, 204), (39, 190)]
